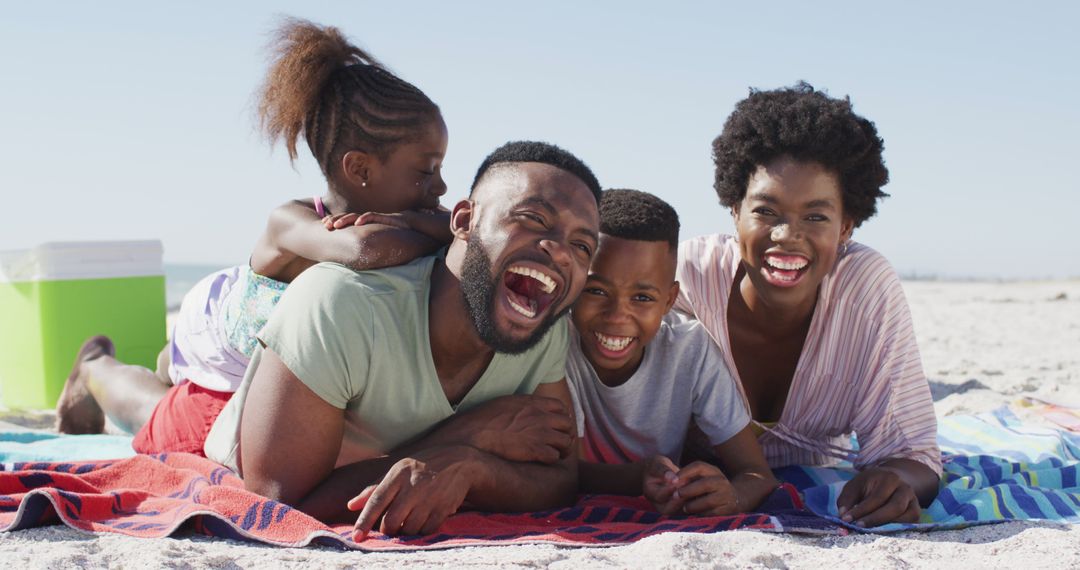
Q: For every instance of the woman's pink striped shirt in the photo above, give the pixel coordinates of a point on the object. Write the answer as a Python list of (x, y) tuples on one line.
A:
[(859, 370)]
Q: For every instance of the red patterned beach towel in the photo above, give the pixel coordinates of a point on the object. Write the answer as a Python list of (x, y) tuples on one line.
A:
[(155, 495)]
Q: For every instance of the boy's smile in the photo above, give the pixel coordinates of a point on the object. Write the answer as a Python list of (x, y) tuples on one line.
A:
[(631, 286)]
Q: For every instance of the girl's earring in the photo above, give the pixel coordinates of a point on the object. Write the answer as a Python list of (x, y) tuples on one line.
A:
[(843, 248), (364, 184)]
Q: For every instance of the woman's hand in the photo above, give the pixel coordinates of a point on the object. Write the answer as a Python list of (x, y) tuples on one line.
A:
[(876, 496)]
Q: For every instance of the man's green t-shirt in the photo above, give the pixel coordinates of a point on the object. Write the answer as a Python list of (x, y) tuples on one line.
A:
[(359, 340)]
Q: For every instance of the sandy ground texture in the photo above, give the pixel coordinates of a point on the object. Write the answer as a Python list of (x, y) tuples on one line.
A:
[(983, 345)]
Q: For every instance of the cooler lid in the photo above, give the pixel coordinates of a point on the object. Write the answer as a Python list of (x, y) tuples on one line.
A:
[(55, 261)]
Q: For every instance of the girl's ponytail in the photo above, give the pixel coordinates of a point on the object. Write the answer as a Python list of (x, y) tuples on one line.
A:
[(335, 94)]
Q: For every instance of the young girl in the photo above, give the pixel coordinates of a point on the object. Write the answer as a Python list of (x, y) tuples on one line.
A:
[(379, 142), (813, 326)]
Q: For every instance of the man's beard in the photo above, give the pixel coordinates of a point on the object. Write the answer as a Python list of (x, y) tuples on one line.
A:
[(478, 287)]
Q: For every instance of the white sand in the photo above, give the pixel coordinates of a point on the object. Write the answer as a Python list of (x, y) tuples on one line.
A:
[(983, 345)]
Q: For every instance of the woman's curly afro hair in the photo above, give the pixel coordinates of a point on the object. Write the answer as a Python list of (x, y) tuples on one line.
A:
[(806, 125)]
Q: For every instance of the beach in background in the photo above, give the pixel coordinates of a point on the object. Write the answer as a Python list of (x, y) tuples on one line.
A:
[(180, 277)]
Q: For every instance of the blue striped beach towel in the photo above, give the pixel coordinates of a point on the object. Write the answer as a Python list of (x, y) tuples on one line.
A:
[(34, 445), (996, 469)]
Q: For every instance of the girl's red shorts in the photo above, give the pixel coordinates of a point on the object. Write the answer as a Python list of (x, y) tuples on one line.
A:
[(181, 420)]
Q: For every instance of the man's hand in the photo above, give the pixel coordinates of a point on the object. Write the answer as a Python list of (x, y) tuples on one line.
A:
[(516, 428), (417, 493), (876, 496)]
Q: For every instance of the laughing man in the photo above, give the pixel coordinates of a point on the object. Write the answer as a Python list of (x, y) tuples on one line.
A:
[(408, 392)]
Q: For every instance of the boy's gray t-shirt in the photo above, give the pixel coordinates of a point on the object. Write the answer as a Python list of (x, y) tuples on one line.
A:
[(681, 376)]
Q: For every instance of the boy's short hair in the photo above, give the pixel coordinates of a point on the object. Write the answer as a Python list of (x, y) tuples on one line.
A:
[(542, 152), (637, 215)]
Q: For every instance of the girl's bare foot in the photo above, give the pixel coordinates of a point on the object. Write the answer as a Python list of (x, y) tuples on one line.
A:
[(77, 412)]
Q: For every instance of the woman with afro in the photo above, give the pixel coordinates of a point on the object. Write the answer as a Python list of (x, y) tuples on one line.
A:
[(815, 327)]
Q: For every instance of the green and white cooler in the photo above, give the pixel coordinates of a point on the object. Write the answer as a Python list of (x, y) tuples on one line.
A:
[(56, 295)]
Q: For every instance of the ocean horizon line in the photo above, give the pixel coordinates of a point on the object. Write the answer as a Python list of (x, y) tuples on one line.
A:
[(180, 277)]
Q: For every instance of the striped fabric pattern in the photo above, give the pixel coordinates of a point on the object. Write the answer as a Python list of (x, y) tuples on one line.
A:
[(996, 469), (860, 369), (154, 496)]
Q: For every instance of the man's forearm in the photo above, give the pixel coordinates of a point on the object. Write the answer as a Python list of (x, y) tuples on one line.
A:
[(501, 486), (486, 429), (513, 486), (327, 501)]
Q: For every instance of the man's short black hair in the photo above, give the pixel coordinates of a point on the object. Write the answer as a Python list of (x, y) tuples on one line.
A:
[(546, 153), (806, 125), (637, 215)]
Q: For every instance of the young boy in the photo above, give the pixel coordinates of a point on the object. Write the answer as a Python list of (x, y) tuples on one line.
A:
[(639, 379)]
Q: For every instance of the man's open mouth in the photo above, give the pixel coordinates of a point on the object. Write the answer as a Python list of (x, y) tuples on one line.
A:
[(529, 290)]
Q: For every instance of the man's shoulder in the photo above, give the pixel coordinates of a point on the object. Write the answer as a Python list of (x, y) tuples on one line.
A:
[(334, 277), (550, 351)]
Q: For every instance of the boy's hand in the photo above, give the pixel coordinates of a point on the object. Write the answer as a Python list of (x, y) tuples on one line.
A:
[(705, 490), (659, 483)]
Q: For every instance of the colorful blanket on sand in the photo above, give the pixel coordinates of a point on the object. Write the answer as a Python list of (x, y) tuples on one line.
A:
[(1060, 413), (153, 496), (996, 469)]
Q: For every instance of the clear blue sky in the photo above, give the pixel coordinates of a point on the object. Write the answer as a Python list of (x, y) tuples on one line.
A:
[(134, 120)]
